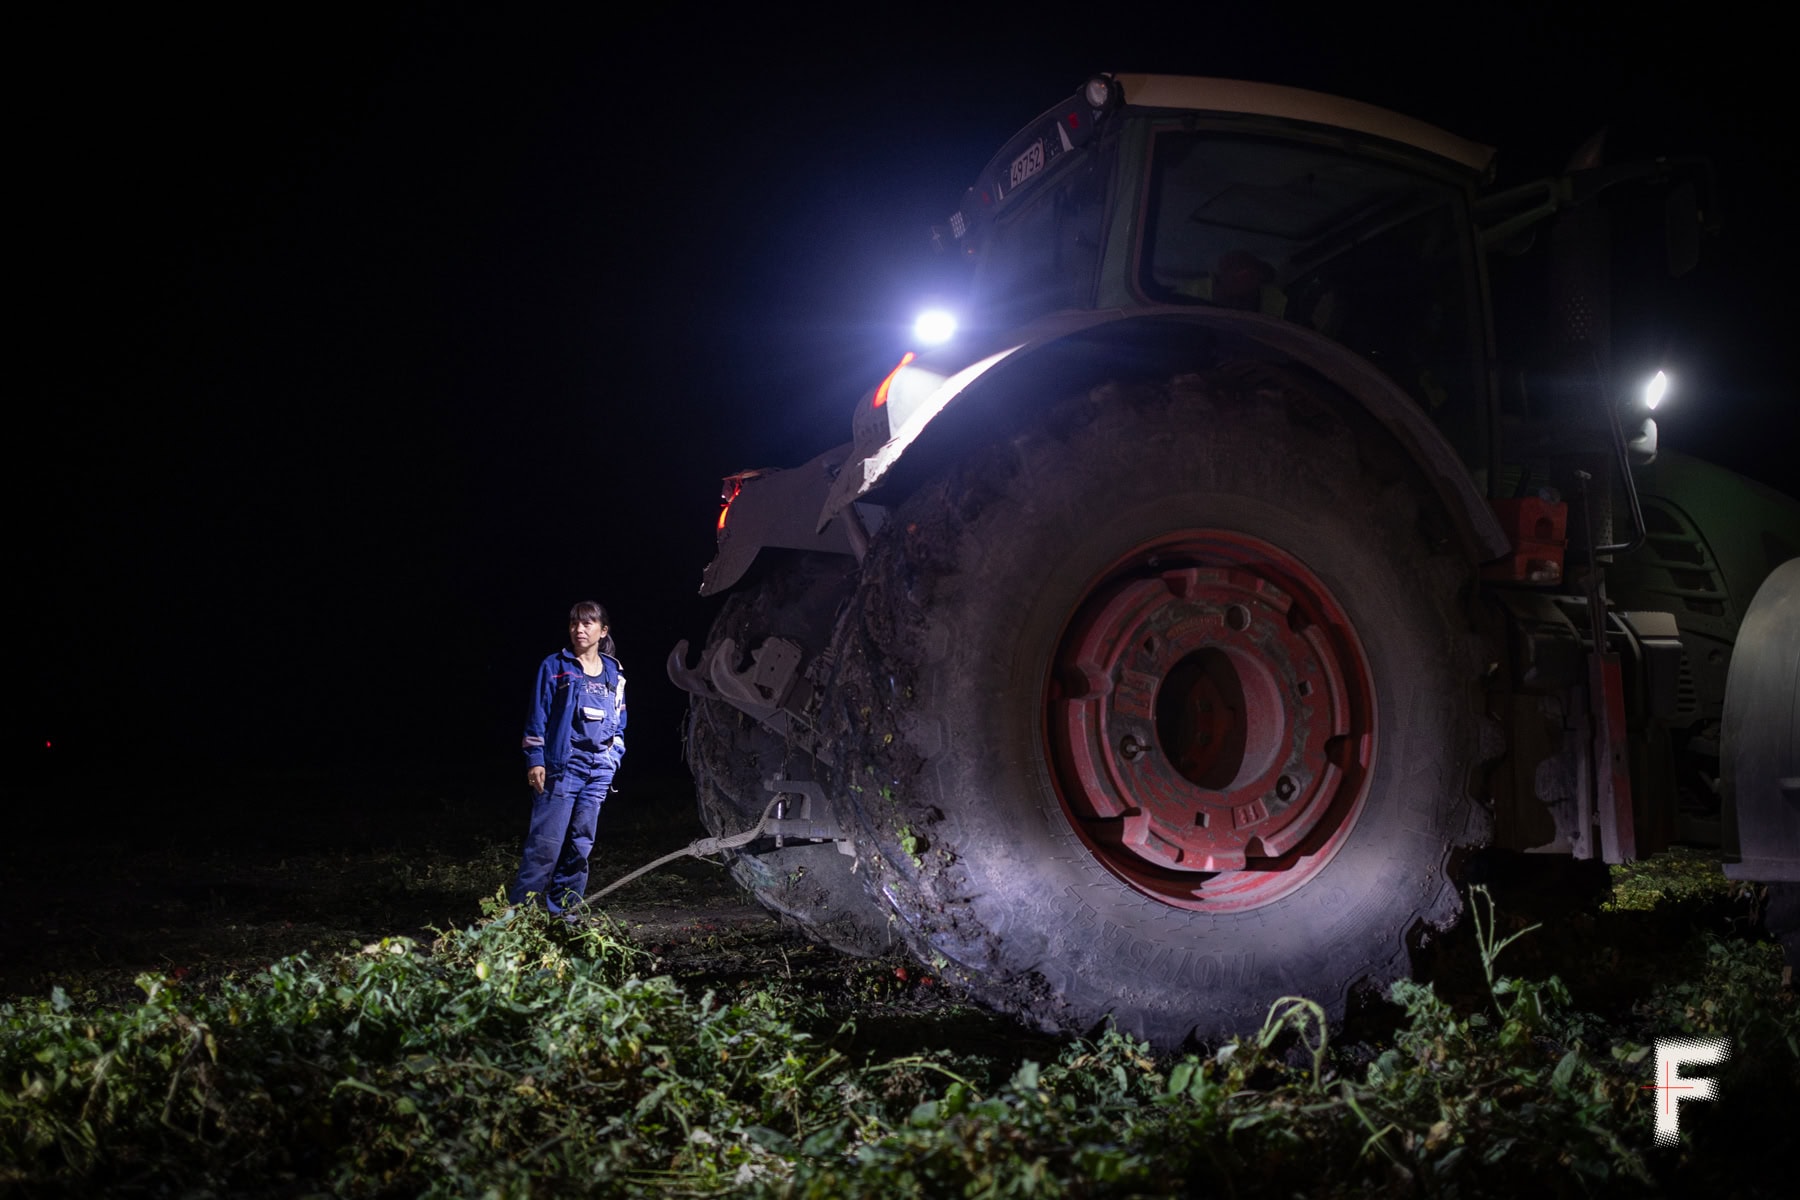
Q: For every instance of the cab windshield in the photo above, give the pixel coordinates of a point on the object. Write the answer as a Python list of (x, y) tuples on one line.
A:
[(1365, 251)]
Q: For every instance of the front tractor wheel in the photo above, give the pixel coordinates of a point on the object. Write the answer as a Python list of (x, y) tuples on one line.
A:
[(1162, 710)]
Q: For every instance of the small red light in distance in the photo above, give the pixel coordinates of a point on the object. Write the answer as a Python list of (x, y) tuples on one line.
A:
[(881, 391)]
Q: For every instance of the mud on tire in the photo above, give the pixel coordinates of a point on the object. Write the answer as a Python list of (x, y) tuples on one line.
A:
[(731, 756), (985, 802)]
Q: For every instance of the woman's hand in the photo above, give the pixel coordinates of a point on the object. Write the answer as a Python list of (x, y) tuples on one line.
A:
[(535, 777)]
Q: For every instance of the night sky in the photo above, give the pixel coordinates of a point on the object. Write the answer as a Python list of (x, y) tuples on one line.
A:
[(358, 347)]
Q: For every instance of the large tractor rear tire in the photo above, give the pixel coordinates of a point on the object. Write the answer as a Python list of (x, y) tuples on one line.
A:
[(732, 756), (1164, 709)]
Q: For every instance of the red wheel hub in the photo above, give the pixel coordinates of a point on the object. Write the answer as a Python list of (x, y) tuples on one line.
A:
[(1210, 722)]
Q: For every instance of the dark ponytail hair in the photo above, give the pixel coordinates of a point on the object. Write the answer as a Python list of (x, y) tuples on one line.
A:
[(590, 609)]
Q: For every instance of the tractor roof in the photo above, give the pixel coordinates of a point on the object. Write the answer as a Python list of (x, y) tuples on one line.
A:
[(1298, 104)]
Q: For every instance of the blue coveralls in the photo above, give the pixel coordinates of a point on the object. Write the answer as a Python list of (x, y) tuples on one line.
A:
[(575, 732)]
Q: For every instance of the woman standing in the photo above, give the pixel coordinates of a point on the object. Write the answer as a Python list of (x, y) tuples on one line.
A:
[(574, 739)]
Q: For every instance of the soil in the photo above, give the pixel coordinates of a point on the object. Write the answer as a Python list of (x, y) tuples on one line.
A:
[(197, 884), (200, 886)]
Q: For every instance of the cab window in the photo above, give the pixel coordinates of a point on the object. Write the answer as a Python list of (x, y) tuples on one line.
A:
[(1363, 250), (1042, 255)]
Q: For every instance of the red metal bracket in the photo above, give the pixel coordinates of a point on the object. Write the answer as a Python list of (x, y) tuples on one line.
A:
[(1538, 532)]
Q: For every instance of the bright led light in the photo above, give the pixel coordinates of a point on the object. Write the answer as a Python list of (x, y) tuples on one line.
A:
[(1656, 389), (934, 326)]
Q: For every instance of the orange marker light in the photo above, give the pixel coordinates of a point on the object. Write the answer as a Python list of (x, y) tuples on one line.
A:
[(732, 487), (882, 390)]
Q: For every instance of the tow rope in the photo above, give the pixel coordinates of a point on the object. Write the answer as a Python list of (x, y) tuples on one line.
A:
[(770, 825)]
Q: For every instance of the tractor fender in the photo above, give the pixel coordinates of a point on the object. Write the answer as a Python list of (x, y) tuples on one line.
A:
[(773, 509), (900, 421), (1760, 750)]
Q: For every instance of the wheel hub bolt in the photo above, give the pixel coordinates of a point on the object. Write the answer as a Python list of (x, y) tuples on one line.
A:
[(1132, 749), (1285, 787)]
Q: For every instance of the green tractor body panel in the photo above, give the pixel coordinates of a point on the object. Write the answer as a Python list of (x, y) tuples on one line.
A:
[(1713, 536)]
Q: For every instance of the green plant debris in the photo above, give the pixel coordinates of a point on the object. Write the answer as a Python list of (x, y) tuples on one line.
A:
[(523, 1057), (1681, 874)]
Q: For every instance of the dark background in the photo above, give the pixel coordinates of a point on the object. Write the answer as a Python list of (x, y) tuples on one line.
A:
[(358, 345)]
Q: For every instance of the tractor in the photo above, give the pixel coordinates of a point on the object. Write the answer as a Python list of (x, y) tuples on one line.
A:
[(1272, 532)]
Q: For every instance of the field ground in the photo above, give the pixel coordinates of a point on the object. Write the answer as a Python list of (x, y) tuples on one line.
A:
[(211, 888), (205, 889)]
